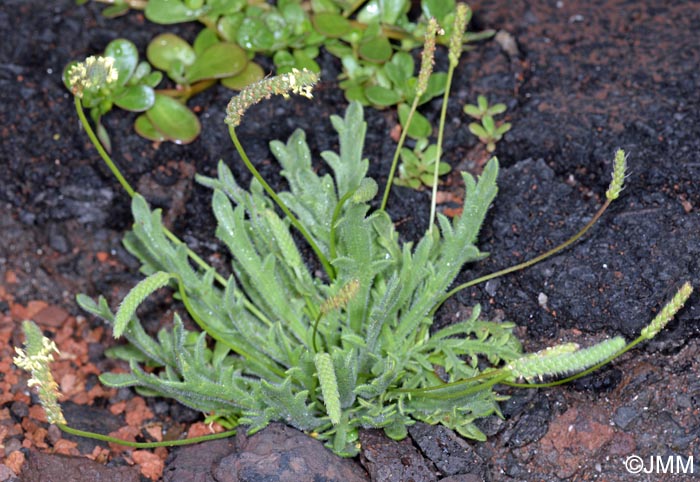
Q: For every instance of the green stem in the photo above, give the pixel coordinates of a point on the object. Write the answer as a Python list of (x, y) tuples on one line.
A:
[(395, 160), (144, 445), (441, 129), (295, 222), (131, 192), (100, 149), (313, 336), (528, 263), (492, 378)]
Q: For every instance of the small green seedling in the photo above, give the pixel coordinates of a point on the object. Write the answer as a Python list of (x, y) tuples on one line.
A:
[(487, 131), (482, 108), (418, 166)]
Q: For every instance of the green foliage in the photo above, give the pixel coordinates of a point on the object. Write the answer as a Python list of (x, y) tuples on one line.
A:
[(132, 90), (373, 325), (417, 165), (208, 59), (488, 131), (373, 45), (168, 120)]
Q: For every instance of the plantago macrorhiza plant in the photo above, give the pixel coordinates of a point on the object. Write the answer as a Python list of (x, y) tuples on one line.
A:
[(327, 353)]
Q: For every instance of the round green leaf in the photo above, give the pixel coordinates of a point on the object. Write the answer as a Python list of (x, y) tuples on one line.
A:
[(376, 49), (205, 39), (385, 11), (356, 93), (331, 24), (303, 61), (174, 120), (293, 14), (167, 49), (228, 25), (136, 98), (420, 127), (142, 70), (153, 79), (395, 75), (284, 61), (170, 11), (116, 10), (381, 96), (144, 128), (251, 73), (436, 87), (254, 35), (221, 60), (126, 58), (437, 8)]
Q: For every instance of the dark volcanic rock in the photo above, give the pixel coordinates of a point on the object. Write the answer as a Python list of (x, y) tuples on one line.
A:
[(283, 454), (60, 468)]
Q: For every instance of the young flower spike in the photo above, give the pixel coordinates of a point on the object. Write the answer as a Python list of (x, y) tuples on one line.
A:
[(562, 359), (462, 16), (668, 312), (618, 176), (35, 359), (428, 56), (297, 82), (342, 298), (92, 75)]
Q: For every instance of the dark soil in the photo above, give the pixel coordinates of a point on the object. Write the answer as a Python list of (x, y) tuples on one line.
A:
[(585, 79)]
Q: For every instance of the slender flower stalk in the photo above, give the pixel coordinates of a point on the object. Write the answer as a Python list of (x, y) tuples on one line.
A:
[(297, 82), (426, 70), (462, 16), (100, 73), (614, 189), (35, 358)]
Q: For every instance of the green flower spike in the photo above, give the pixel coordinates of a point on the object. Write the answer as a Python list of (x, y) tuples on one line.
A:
[(92, 75), (340, 300), (297, 82), (461, 18), (618, 176), (35, 359), (562, 359), (428, 56), (667, 312)]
